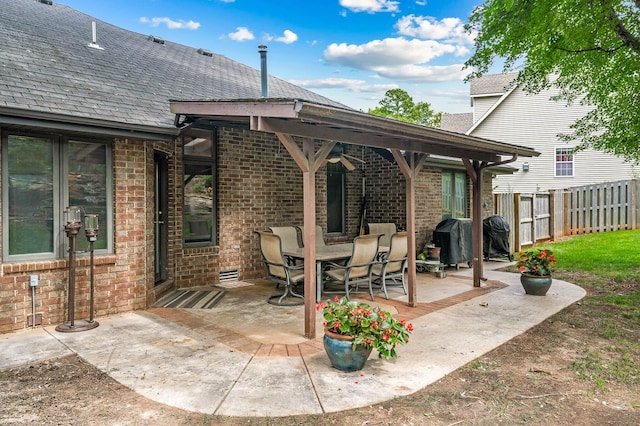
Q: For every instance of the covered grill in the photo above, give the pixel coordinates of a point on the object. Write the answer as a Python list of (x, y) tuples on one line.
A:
[(454, 237), (495, 238)]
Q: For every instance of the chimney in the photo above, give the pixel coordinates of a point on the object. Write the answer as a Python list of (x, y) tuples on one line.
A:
[(263, 70)]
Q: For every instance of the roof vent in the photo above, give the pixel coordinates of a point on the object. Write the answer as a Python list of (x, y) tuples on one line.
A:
[(49, 2), (205, 52), (156, 39), (94, 37)]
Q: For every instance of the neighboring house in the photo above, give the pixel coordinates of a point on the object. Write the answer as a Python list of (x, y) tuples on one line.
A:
[(504, 112), (86, 122)]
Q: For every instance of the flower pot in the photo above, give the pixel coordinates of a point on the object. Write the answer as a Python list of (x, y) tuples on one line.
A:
[(340, 351), (535, 284), (433, 253)]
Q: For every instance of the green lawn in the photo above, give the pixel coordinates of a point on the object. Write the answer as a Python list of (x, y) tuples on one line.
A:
[(607, 265)]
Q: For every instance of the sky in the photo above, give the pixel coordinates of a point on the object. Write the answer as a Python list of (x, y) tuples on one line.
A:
[(351, 51)]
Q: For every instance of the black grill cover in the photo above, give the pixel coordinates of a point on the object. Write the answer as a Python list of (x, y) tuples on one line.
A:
[(495, 237), (454, 237)]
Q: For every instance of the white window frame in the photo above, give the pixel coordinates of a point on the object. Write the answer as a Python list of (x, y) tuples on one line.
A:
[(564, 151)]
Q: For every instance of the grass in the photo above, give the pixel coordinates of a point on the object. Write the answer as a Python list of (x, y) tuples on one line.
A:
[(610, 264), (607, 255)]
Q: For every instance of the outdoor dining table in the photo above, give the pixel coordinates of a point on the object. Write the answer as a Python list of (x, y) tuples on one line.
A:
[(327, 253)]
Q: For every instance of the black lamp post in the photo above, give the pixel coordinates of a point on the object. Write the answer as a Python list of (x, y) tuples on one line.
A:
[(72, 227), (91, 232)]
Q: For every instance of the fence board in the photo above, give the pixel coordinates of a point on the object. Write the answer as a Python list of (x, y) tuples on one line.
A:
[(610, 206)]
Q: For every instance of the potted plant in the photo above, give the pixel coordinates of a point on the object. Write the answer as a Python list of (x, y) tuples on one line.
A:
[(353, 329), (536, 266)]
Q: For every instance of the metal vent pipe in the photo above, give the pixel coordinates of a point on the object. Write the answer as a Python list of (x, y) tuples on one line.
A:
[(263, 70)]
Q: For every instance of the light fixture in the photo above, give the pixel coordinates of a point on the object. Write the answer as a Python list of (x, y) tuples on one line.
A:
[(525, 167), (91, 232), (72, 217)]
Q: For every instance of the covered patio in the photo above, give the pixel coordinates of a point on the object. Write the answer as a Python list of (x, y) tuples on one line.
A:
[(246, 357), (299, 124)]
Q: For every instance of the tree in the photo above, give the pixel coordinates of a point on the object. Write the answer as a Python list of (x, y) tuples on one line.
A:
[(589, 49), (399, 105)]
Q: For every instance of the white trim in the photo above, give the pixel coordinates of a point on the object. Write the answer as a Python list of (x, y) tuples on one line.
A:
[(573, 161), (490, 110)]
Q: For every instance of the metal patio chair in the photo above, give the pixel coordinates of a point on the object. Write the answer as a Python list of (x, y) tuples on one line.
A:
[(394, 264), (279, 271), (358, 268)]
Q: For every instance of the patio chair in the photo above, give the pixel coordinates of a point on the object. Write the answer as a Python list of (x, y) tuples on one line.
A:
[(319, 236), (386, 229), (394, 264), (289, 237), (358, 268), (279, 271)]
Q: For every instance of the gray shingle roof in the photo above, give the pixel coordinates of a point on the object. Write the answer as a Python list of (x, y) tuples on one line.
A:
[(46, 66), (459, 123), (492, 83)]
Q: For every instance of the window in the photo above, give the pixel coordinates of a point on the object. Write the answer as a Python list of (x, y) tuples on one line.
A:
[(44, 175), (564, 162), (454, 194), (199, 212), (335, 199)]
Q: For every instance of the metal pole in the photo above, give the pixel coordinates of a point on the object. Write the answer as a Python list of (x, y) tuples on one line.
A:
[(92, 281)]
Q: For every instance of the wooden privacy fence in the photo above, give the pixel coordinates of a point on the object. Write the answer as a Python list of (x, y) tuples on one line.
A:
[(603, 207)]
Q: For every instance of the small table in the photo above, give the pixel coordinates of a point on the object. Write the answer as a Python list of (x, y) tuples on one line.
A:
[(429, 266), (328, 253)]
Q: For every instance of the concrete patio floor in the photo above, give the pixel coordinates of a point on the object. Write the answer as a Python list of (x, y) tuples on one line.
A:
[(246, 357)]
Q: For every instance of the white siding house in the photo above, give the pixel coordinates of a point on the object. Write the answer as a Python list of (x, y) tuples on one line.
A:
[(506, 113)]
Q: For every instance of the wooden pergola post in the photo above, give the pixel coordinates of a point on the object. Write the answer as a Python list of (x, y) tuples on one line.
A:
[(410, 167)]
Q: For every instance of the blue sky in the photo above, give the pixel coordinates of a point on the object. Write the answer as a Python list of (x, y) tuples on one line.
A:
[(351, 51)]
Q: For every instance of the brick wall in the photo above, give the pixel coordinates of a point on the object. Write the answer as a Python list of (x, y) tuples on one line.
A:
[(259, 185)]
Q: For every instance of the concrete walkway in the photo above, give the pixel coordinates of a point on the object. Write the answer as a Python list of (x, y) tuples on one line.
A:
[(185, 359)]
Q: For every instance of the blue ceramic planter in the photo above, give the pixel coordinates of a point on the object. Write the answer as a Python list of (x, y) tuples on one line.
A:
[(535, 284), (340, 352)]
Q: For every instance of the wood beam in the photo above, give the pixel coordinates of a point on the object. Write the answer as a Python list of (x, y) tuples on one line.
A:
[(372, 139), (474, 169), (298, 156), (410, 169), (309, 232)]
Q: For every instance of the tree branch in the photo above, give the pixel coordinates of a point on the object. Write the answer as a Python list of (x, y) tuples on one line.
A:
[(625, 35), (592, 49)]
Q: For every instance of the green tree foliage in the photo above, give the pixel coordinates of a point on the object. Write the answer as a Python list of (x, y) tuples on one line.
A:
[(399, 105), (589, 49)]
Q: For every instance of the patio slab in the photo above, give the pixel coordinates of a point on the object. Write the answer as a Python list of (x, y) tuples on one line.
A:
[(227, 361)]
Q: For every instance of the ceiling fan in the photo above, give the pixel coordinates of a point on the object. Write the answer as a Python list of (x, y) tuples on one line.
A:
[(337, 155)]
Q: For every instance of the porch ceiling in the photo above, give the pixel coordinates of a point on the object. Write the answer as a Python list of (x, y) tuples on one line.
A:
[(312, 120)]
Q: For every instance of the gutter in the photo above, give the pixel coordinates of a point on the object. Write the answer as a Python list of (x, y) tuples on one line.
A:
[(38, 119)]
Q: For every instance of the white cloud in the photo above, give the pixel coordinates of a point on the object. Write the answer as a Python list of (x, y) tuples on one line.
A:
[(350, 85), (426, 27), (241, 34), (288, 37), (370, 6), (390, 52), (171, 24), (423, 73)]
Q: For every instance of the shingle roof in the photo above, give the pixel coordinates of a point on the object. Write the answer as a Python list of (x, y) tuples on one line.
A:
[(459, 123), (492, 84), (46, 66)]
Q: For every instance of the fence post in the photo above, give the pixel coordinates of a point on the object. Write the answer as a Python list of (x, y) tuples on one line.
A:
[(552, 214), (635, 203), (518, 221), (566, 213)]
